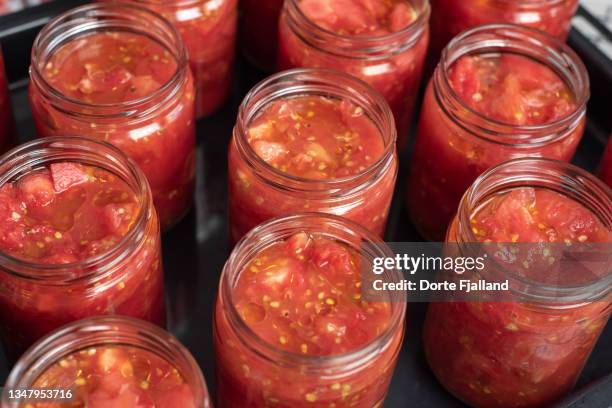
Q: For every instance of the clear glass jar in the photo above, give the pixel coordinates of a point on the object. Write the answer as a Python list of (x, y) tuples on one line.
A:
[(118, 361), (455, 143), (450, 17), (127, 279), (155, 128), (208, 28), (7, 122), (259, 191), (392, 64), (259, 31), (605, 167), (253, 372), (525, 353)]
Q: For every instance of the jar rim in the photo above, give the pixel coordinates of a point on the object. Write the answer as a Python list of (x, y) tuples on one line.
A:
[(357, 47), (561, 177), (525, 41), (280, 228), (102, 331), (324, 82), (92, 18), (46, 150)]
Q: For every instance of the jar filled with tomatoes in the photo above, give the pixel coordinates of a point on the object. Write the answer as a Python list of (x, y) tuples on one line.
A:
[(499, 92), (120, 73), (312, 140), (527, 349), (293, 324), (108, 361), (79, 237)]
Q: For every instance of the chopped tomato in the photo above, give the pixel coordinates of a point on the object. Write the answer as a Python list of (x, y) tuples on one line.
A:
[(67, 175), (512, 89), (359, 17), (109, 377)]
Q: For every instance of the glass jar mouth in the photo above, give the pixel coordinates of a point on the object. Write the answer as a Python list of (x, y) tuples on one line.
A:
[(357, 47), (98, 153), (328, 226), (322, 82), (104, 331), (563, 178), (104, 17), (524, 41)]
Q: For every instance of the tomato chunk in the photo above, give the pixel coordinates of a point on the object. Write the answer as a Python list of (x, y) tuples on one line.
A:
[(66, 212), (118, 377)]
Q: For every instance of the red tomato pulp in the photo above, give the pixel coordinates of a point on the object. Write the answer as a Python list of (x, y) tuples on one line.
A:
[(116, 377)]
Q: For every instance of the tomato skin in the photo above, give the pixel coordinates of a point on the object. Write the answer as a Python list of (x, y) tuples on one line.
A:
[(517, 354), (397, 75), (447, 158), (314, 308), (105, 68), (86, 214)]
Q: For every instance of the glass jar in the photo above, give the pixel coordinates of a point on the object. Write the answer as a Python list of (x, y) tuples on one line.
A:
[(155, 128), (258, 191), (528, 352), (455, 143), (450, 17), (111, 361), (253, 372), (605, 167), (259, 31), (37, 297), (208, 28), (7, 122), (392, 64)]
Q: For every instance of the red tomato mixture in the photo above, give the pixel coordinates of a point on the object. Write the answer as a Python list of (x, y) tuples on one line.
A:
[(65, 214), (396, 75), (7, 123), (116, 377), (311, 138), (208, 28), (121, 68), (605, 167), (508, 89), (259, 31), (302, 295), (450, 17), (509, 354)]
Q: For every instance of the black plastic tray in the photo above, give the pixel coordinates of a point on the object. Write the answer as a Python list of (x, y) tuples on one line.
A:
[(195, 251)]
